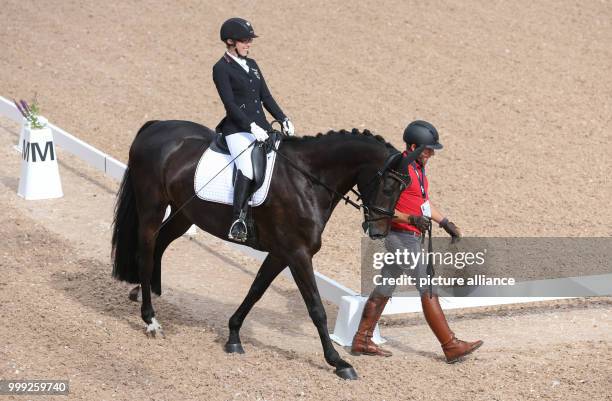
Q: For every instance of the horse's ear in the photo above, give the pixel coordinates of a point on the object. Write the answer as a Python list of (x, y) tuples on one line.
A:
[(403, 165), (391, 161), (412, 156)]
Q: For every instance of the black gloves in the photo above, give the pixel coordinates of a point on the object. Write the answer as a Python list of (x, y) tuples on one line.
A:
[(420, 222), (451, 229)]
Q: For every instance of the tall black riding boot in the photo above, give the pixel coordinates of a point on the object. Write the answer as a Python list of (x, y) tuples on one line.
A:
[(242, 189)]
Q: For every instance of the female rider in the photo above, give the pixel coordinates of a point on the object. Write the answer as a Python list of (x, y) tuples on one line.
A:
[(243, 91)]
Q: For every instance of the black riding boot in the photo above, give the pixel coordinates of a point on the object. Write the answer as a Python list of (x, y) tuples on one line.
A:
[(242, 189)]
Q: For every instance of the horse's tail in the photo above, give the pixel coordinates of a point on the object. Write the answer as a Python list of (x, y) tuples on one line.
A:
[(125, 229), (125, 233)]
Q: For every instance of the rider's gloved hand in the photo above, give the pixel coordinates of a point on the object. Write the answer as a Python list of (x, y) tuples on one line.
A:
[(451, 229), (420, 222), (260, 133), (288, 127)]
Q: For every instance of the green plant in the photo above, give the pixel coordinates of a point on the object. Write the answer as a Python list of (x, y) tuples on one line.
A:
[(30, 113)]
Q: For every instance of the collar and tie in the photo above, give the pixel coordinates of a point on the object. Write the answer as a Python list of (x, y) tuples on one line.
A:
[(241, 61)]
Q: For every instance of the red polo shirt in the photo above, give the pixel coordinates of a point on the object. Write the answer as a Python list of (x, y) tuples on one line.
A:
[(411, 198)]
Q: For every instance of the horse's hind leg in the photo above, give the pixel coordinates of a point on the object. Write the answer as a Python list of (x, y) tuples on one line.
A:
[(148, 225), (268, 271), (171, 230), (175, 227)]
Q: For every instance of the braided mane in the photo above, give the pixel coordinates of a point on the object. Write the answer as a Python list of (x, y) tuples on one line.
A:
[(331, 133)]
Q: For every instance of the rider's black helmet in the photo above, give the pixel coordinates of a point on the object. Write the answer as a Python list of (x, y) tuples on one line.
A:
[(236, 29), (422, 133)]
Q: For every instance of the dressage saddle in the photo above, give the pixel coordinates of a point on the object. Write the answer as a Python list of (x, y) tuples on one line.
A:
[(258, 156)]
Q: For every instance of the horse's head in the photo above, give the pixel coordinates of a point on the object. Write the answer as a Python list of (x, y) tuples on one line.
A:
[(381, 192)]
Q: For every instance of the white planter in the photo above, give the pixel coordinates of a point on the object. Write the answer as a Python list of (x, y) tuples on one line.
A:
[(39, 178)]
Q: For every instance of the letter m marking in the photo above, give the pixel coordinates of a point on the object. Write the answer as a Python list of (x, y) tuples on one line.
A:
[(43, 155)]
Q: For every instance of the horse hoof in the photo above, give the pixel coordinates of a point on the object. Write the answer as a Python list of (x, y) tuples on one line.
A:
[(135, 294), (234, 348), (347, 373), (154, 329)]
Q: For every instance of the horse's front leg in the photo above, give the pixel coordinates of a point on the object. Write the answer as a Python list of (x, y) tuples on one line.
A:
[(303, 274), (268, 271)]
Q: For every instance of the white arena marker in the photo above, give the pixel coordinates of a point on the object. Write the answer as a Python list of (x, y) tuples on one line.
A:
[(39, 177), (347, 321)]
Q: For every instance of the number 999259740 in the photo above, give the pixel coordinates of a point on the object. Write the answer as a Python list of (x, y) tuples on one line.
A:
[(33, 387)]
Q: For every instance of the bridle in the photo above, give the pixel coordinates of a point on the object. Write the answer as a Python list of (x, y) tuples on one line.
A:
[(403, 179)]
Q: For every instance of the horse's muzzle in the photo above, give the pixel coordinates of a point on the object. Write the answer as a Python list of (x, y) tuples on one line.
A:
[(374, 231)]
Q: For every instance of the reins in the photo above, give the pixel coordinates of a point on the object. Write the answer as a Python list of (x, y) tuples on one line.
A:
[(346, 198), (318, 181)]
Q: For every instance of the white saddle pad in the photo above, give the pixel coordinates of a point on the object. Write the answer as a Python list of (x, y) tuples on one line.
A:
[(220, 188)]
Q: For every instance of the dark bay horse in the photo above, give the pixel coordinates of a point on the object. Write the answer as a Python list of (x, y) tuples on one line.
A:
[(289, 224)]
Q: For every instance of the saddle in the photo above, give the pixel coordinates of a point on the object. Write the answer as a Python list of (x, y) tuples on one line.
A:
[(258, 157)]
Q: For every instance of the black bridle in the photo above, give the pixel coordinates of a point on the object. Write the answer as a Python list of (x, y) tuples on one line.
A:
[(403, 179)]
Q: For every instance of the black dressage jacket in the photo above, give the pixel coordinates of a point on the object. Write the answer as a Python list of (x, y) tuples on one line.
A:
[(243, 95)]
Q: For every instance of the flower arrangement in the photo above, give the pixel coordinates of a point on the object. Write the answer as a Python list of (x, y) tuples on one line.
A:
[(31, 113)]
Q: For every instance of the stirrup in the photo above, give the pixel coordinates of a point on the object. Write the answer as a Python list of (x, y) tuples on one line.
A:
[(239, 225)]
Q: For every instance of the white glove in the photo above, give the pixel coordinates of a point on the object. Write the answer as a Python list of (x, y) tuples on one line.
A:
[(288, 127), (260, 134)]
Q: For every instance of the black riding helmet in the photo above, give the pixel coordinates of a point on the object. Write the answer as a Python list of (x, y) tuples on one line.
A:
[(236, 29), (422, 133)]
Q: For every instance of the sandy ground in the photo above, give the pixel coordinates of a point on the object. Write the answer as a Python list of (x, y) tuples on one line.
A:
[(520, 92), (70, 320)]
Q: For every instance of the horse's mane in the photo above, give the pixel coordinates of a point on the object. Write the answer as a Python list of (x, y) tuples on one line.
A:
[(331, 133)]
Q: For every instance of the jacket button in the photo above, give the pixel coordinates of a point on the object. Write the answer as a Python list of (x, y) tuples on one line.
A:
[(257, 111), (250, 80), (255, 100)]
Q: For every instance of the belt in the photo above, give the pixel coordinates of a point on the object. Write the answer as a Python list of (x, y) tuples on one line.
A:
[(409, 232)]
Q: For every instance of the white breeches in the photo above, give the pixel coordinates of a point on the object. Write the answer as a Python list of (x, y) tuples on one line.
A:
[(237, 143)]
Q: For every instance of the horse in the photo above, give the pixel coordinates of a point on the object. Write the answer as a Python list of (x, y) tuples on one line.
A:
[(312, 176)]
